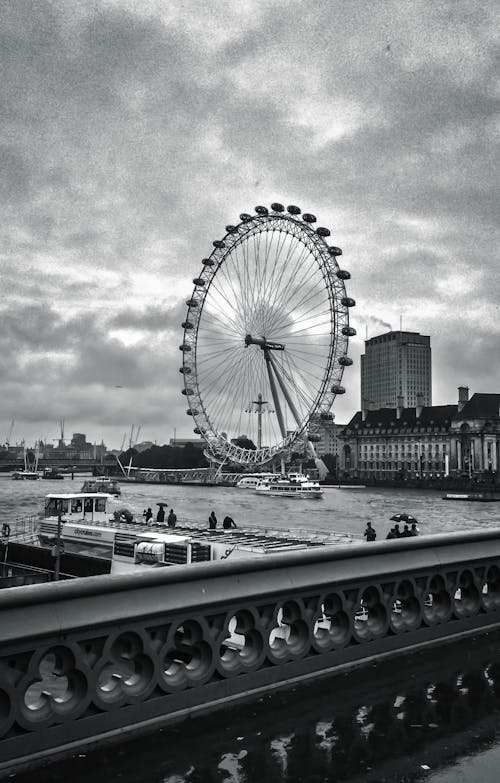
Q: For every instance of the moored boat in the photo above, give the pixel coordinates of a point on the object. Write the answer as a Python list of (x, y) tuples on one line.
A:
[(482, 497), (83, 523)]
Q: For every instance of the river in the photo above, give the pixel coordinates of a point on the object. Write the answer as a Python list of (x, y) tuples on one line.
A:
[(344, 510)]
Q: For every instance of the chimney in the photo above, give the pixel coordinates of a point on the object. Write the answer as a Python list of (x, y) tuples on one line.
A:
[(420, 405), (364, 409), (463, 397), (400, 406)]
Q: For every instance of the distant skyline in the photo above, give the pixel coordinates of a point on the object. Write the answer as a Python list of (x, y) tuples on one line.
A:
[(132, 133)]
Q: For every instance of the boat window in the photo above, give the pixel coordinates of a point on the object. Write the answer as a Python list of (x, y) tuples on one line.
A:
[(76, 506), (61, 505), (88, 505), (100, 504), (50, 504)]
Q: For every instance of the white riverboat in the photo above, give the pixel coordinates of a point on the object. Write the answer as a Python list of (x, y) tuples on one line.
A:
[(84, 524), (289, 486), (252, 480), (101, 484)]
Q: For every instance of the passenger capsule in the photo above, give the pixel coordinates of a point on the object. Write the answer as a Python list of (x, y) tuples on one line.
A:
[(231, 229), (261, 210), (207, 262), (184, 347), (335, 251), (277, 207), (349, 331), (347, 301), (192, 412), (187, 325), (185, 370), (314, 438), (308, 217), (293, 210), (326, 416), (218, 243), (187, 391), (343, 274), (322, 231), (337, 389), (345, 361), (197, 431), (199, 281), (245, 217), (192, 303)]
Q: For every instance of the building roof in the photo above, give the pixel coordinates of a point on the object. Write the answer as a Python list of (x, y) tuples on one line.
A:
[(481, 406), (431, 415)]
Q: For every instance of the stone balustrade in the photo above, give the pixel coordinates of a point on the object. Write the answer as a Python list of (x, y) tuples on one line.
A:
[(90, 659)]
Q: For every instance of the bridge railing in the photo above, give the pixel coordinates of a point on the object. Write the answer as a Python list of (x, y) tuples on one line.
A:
[(93, 658)]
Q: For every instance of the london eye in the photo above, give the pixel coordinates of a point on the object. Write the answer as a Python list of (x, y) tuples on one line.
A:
[(266, 336)]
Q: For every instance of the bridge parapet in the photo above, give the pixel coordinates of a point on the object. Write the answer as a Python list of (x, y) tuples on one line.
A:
[(96, 657)]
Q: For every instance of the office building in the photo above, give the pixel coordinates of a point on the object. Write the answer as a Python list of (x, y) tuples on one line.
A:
[(395, 371)]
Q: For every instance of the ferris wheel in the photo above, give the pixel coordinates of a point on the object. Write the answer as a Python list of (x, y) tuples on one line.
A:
[(266, 336)]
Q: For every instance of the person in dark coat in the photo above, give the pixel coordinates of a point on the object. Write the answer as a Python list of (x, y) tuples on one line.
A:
[(228, 523), (148, 516), (160, 517), (391, 534), (406, 533), (212, 521), (172, 518), (414, 529), (370, 533)]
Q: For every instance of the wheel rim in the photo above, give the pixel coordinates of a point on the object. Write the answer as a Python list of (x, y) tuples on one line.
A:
[(274, 278)]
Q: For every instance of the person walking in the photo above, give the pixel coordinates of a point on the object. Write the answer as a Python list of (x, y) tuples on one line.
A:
[(148, 516), (160, 517), (370, 533), (172, 518)]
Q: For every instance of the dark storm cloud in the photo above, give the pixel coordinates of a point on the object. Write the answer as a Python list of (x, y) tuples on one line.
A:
[(131, 135)]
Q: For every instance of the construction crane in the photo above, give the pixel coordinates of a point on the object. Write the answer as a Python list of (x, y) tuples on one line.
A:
[(9, 435)]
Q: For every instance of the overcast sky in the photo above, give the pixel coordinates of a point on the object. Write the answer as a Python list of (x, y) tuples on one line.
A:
[(132, 132)]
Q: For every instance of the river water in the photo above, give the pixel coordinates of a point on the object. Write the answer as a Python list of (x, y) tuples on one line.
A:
[(428, 716), (343, 510)]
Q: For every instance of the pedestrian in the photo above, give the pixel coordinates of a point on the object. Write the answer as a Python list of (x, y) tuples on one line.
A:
[(414, 529), (212, 521), (405, 532), (148, 516), (391, 534), (397, 531), (160, 517), (370, 533), (172, 518), (229, 523)]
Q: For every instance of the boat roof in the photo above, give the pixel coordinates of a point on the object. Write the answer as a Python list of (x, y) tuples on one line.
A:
[(77, 495)]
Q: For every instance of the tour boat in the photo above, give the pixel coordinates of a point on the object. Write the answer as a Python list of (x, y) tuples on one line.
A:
[(101, 484), (82, 523), (251, 480), (289, 486)]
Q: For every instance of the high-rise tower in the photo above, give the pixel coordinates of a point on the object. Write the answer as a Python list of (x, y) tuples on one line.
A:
[(395, 369)]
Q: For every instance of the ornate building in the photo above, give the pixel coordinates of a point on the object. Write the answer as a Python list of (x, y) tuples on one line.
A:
[(424, 441)]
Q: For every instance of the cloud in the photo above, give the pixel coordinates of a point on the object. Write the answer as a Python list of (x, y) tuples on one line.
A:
[(132, 134)]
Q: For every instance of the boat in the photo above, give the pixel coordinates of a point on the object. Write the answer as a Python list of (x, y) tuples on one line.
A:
[(52, 474), (482, 497), (25, 475), (348, 486), (101, 484), (251, 480), (290, 485), (83, 524)]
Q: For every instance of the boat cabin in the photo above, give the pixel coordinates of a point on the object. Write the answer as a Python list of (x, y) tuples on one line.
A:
[(76, 507)]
